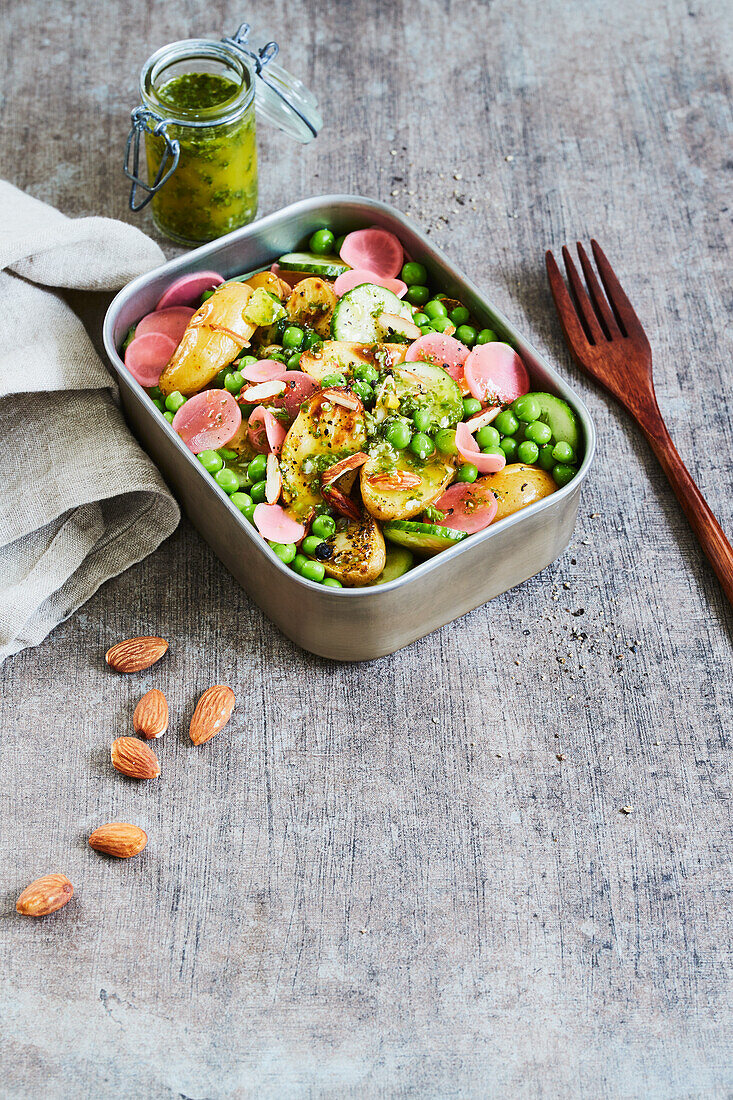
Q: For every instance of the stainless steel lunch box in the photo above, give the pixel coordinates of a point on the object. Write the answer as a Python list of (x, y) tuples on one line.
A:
[(346, 624)]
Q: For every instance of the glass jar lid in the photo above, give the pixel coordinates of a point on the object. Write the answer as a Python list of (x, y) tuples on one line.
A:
[(281, 99)]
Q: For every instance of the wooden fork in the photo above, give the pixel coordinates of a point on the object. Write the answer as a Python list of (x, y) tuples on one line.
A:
[(607, 341)]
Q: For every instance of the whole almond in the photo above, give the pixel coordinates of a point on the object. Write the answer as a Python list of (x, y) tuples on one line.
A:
[(213, 711), (44, 896), (151, 715), (118, 838), (135, 654), (134, 758)]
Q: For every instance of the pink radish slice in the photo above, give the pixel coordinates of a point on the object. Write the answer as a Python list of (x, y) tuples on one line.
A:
[(299, 387), (208, 420), (265, 371), (469, 450), (188, 289), (496, 374), (374, 250), (147, 355), (468, 508), (273, 523), (356, 276), (443, 351), (170, 322), (271, 439)]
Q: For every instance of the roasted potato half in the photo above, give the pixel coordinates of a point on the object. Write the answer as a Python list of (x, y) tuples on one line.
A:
[(215, 335), (342, 356), (518, 485), (270, 282), (398, 485), (311, 303), (322, 434), (358, 553)]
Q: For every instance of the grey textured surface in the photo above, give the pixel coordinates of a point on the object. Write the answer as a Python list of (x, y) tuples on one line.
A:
[(381, 880)]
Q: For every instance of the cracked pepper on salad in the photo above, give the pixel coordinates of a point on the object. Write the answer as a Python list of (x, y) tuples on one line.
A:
[(352, 412)]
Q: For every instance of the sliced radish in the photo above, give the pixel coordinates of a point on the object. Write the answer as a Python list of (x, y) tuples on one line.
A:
[(394, 325), (374, 250), (208, 420), (443, 351), (468, 508), (187, 290), (171, 322), (274, 523), (298, 388), (270, 435), (495, 374), (356, 276), (266, 370), (469, 450), (147, 356)]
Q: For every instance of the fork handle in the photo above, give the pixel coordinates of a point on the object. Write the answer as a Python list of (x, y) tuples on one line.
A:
[(709, 533)]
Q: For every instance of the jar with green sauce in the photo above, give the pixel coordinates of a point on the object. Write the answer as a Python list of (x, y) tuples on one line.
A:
[(198, 123)]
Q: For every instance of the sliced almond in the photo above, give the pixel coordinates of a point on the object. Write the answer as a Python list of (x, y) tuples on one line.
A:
[(480, 420), (263, 391), (150, 719), (341, 397), (134, 758), (338, 500), (400, 326), (213, 711), (273, 480), (351, 462), (44, 896), (395, 482), (118, 838), (135, 654)]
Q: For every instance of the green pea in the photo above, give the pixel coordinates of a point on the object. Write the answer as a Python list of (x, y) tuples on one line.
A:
[(417, 295), (509, 447), (312, 340), (322, 242), (526, 408), (286, 551), (546, 460), (248, 360), (158, 404), (299, 561), (257, 492), (486, 336), (339, 244), (538, 432), (493, 451), (333, 380), (226, 454), (563, 473), (506, 422), (227, 480), (435, 308), (174, 401), (293, 338), (313, 571), (206, 295), (467, 335), (467, 472), (413, 274), (440, 324), (528, 452), (323, 527), (365, 372), (364, 391), (234, 382), (331, 582), (488, 436), (257, 468), (294, 360), (155, 393), (445, 441), (210, 461), (169, 416), (422, 445), (309, 544), (563, 453), (422, 420), (421, 319), (471, 406), (243, 501), (398, 434), (425, 329), (459, 315)]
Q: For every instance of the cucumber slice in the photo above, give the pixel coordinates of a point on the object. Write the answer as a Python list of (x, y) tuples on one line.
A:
[(425, 387), (399, 560), (560, 419), (356, 315), (329, 267), (425, 538)]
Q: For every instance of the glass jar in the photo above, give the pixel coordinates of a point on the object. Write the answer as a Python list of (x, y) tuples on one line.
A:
[(199, 115)]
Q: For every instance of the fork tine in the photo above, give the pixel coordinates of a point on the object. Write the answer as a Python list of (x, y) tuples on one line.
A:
[(597, 296), (571, 326), (582, 301), (622, 307)]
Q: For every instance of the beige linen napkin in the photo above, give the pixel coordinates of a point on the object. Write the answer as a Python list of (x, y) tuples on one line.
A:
[(79, 499)]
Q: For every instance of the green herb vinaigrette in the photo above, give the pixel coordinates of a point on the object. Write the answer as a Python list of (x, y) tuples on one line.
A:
[(214, 188)]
